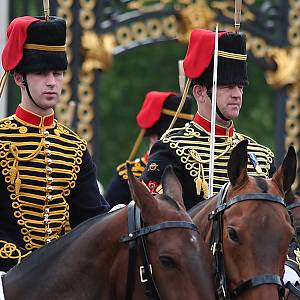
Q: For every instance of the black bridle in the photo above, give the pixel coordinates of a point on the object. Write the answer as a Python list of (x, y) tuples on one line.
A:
[(217, 245), (135, 237)]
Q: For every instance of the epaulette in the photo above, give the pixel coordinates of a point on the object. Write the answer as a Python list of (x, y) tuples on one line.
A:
[(137, 168)]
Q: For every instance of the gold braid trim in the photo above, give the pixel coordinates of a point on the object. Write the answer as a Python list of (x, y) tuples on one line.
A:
[(45, 47), (11, 251), (40, 218), (137, 168), (192, 147), (172, 113), (230, 55)]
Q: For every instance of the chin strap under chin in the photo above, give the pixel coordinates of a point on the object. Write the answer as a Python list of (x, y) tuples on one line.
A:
[(209, 94), (25, 83)]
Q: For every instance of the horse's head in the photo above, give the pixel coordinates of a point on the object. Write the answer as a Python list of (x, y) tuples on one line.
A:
[(180, 260), (256, 233)]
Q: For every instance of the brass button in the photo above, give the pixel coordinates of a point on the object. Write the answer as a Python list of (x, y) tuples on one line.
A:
[(48, 152), (49, 170), (48, 241), (48, 161), (49, 188), (49, 231), (50, 179), (46, 133), (47, 209), (49, 197)]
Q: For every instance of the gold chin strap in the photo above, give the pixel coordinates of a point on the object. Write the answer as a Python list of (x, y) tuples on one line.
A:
[(45, 47), (172, 113), (230, 55)]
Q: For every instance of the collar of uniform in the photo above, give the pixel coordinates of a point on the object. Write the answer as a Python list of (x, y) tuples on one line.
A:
[(34, 119), (219, 131)]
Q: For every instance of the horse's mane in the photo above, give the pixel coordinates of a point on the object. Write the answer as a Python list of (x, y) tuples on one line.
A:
[(60, 244)]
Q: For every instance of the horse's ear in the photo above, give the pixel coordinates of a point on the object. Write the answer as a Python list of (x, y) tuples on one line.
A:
[(139, 192), (237, 164), (172, 186), (285, 175)]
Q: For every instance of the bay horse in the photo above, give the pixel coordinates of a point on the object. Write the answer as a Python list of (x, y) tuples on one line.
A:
[(249, 228), (92, 261)]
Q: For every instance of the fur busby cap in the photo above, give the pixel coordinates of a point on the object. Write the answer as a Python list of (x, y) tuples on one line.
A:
[(232, 55), (35, 45), (159, 109)]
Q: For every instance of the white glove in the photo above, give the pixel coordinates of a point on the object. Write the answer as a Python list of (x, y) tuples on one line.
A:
[(290, 275)]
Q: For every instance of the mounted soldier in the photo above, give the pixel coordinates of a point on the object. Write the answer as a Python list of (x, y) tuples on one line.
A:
[(188, 150), (154, 118), (47, 175)]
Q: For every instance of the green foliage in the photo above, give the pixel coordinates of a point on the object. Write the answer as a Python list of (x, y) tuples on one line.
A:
[(155, 67)]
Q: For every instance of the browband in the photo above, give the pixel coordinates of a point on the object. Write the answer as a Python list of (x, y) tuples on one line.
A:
[(172, 113), (44, 47)]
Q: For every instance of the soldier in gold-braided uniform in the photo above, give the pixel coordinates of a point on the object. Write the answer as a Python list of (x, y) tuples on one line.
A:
[(47, 176), (187, 149), (154, 118)]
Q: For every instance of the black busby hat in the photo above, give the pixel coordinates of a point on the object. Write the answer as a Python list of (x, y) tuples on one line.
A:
[(35, 45), (50, 34), (232, 65), (232, 56), (159, 109), (168, 112)]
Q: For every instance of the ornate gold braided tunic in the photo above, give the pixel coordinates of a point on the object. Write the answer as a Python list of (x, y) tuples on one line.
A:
[(187, 149), (118, 191), (47, 179)]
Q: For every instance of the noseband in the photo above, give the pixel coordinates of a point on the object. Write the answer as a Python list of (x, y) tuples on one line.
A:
[(217, 245), (136, 236)]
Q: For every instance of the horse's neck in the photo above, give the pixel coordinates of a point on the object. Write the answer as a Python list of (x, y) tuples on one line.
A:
[(200, 218), (63, 257)]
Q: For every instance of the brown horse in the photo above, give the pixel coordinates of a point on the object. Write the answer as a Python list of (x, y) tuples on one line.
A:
[(92, 261), (249, 228)]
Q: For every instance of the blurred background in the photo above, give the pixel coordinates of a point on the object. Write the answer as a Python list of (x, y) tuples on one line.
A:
[(120, 50)]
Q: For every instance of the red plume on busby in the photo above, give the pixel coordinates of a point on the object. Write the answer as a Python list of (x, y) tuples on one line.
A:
[(158, 110), (232, 68), (35, 45)]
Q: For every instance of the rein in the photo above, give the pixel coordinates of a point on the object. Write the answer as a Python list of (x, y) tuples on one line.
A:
[(135, 237), (217, 245)]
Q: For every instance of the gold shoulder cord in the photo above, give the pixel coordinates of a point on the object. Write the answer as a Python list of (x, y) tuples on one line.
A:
[(201, 184)]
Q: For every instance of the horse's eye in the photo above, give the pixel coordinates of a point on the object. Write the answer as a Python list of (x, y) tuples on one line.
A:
[(167, 262), (233, 235)]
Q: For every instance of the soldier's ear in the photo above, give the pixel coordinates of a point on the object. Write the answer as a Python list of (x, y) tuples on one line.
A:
[(18, 78), (199, 92)]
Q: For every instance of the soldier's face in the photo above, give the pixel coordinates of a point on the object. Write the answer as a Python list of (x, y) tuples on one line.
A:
[(229, 99), (45, 88)]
